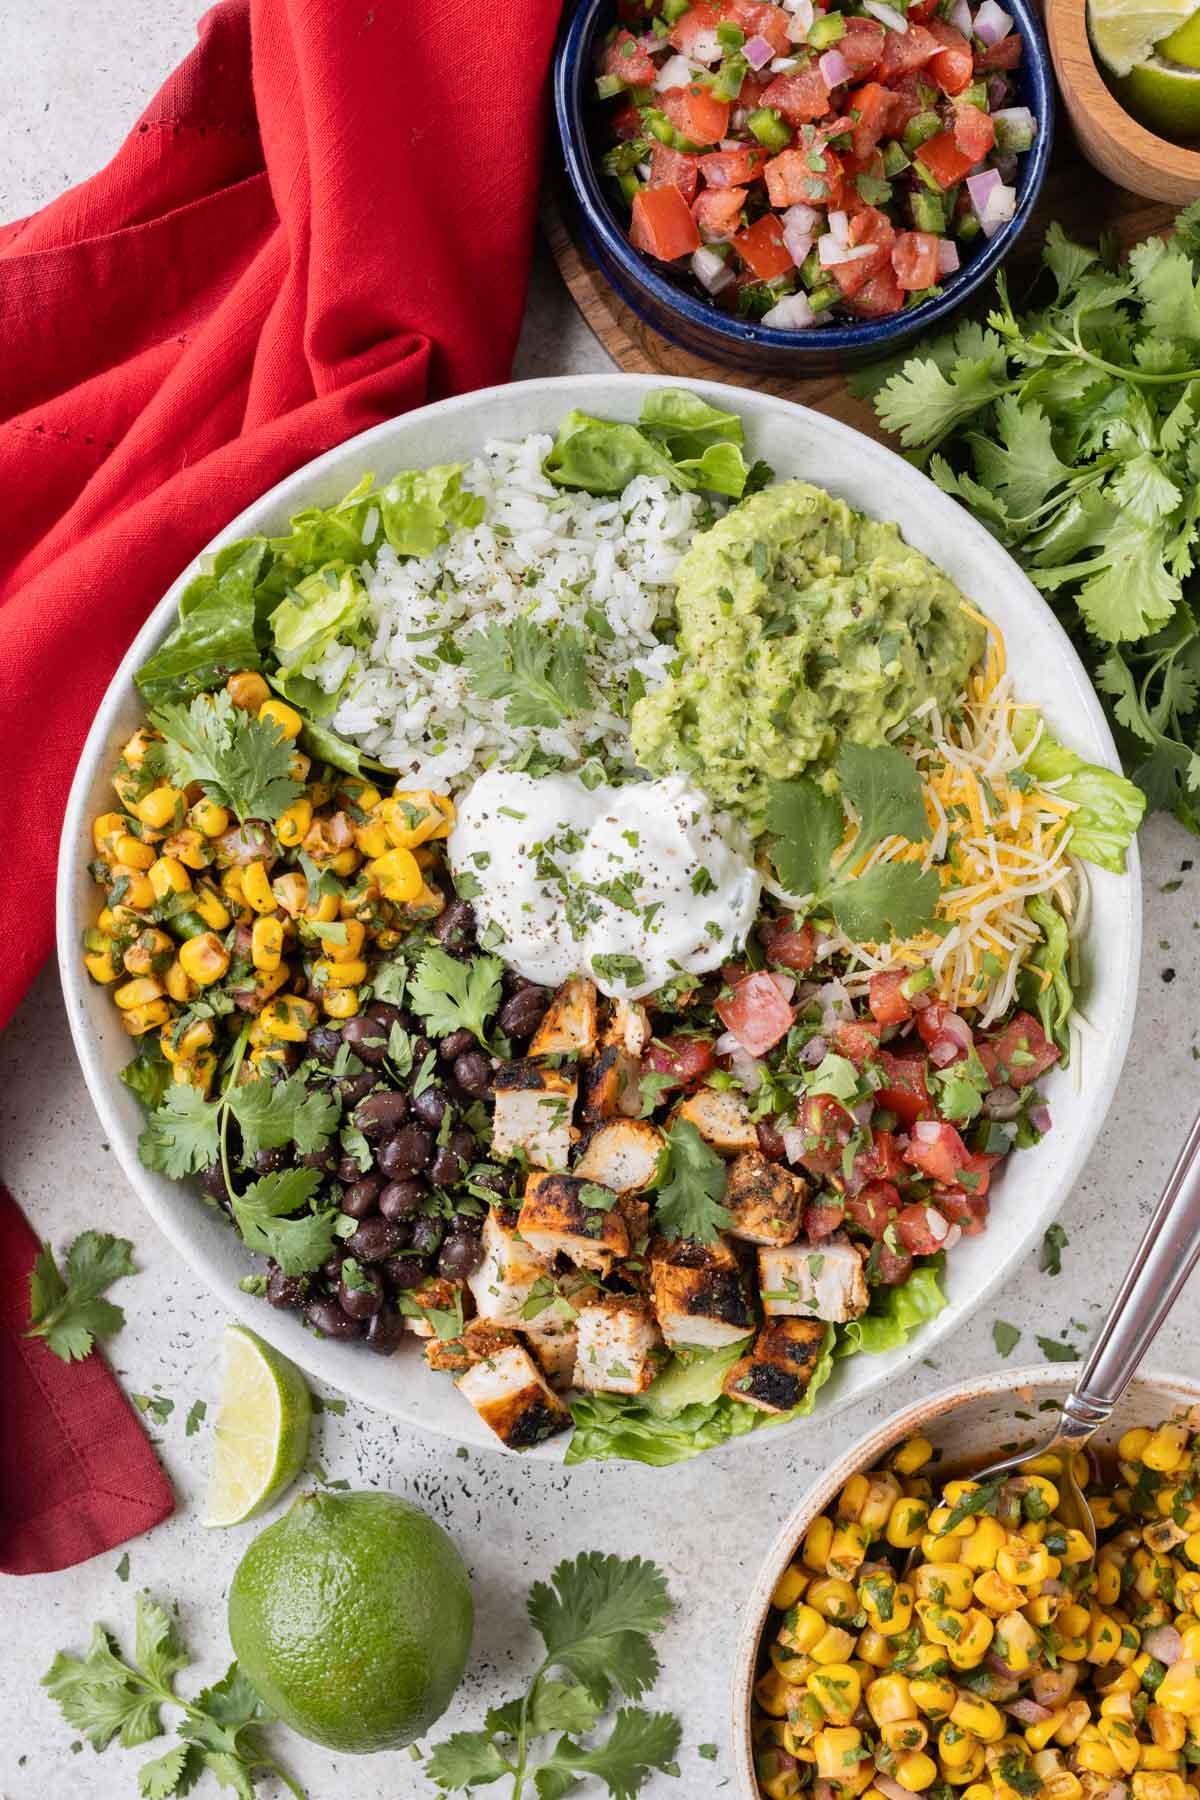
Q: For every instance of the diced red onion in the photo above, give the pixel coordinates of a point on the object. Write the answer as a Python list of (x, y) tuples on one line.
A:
[(705, 47), (893, 1789), (997, 90), (800, 23), (839, 224), (1054, 1588), (785, 983), (861, 1113), (732, 144), (980, 188), (887, 15), (1016, 127), (955, 1027), (1116, 1790), (994, 203), (826, 1790), (644, 171), (835, 1004), (1028, 1712), (1002, 1103), (746, 1070), (804, 218), (951, 1238), (927, 1131), (1039, 1118), (938, 1225), (814, 1052), (1164, 1644), (960, 17), (250, 842), (943, 1051), (948, 262), (783, 65), (793, 1142), (832, 254), (994, 1663), (675, 72), (798, 244), (711, 271), (726, 1044), (792, 313), (992, 23), (834, 68), (758, 52)]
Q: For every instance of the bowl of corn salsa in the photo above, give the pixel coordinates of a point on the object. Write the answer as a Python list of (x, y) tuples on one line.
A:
[(1006, 1665)]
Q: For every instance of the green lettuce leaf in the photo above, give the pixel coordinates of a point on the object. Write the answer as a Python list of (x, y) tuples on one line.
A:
[(896, 1312), (215, 635), (693, 445), (1108, 807), (421, 507), (1051, 1001), (318, 611)]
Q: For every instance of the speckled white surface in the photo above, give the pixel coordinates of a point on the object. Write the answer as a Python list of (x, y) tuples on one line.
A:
[(81, 77)]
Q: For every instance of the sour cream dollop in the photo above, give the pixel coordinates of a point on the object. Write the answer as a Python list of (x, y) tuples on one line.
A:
[(630, 885)]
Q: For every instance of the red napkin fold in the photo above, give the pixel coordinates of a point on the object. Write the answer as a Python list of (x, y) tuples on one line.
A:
[(323, 219)]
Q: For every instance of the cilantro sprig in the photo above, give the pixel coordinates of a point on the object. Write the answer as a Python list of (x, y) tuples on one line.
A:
[(541, 674), (452, 995), (691, 1186), (65, 1306), (241, 762), (596, 1616), (105, 1696)]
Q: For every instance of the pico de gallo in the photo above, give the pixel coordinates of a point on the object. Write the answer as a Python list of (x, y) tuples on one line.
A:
[(806, 161)]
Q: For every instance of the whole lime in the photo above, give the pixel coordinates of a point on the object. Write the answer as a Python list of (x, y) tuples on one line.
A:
[(352, 1617)]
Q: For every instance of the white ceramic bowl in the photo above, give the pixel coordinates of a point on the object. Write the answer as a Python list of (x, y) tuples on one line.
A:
[(796, 442), (973, 1423)]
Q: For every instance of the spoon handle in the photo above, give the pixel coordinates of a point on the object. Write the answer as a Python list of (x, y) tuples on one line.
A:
[(1161, 1265)]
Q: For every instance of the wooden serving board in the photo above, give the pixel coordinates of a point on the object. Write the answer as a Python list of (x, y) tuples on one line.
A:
[(1082, 201)]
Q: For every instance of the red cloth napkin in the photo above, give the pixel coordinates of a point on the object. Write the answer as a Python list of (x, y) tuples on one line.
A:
[(323, 219), (77, 1474)]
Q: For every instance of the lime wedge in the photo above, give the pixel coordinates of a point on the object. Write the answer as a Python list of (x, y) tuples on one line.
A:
[(1183, 46), (261, 1432), (1164, 97), (1124, 32)]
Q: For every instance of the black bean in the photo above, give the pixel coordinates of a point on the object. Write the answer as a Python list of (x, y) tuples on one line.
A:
[(473, 1073), (326, 1160), (461, 1255), (455, 1044), (375, 1240), (385, 1331), (360, 1197), (455, 926), (327, 1317), (426, 1235), (269, 1162), (331, 1268), (387, 1014), (285, 1290), (380, 1114), (213, 1182), (500, 1183), (407, 1153), (353, 1088), (324, 1042), (430, 1104), (471, 1223), (420, 1047), (360, 1301), (446, 1168), (404, 1272), (770, 1140), (367, 1037), (462, 1142), (520, 1017), (348, 1169), (400, 1198)]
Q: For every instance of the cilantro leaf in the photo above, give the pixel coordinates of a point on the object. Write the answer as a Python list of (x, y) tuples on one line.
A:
[(893, 900), (451, 995), (286, 1112), (692, 1187), (101, 1697), (639, 1743), (182, 1136), (884, 788), (1054, 1351), (241, 762), (68, 1311), (465, 1759), (1006, 1337), (562, 1706), (923, 401), (807, 826), (594, 1617), (541, 674), (1054, 1242), (174, 1772), (298, 1244)]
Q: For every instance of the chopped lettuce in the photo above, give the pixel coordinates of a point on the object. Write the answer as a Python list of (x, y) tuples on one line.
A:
[(681, 1414), (215, 635), (896, 1312), (680, 437), (1108, 807), (148, 1076), (421, 507), (1052, 998), (319, 609)]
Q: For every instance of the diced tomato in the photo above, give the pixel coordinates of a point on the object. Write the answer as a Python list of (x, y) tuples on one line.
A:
[(862, 46), (785, 942), (873, 104), (968, 1211), (887, 1002), (888, 1267), (770, 1139), (1018, 1054), (828, 1128), (762, 249), (953, 64), (858, 1040), (874, 1207), (883, 1161), (701, 22), (880, 296), (718, 211), (626, 59), (733, 168), (800, 97), (911, 95), (683, 1059), (792, 177), (1004, 55), (822, 1218), (941, 1025), (868, 226), (673, 168), (944, 160), (754, 86), (937, 1150), (757, 18), (756, 1013), (662, 226), (920, 12), (906, 1093), (853, 167), (697, 113), (915, 259), (974, 132), (626, 123), (904, 51), (917, 1233)]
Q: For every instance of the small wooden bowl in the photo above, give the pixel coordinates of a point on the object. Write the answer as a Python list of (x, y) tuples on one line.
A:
[(1109, 137)]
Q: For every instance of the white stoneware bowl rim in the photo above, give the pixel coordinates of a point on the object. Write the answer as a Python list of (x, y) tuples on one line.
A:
[(799, 441), (1176, 1391)]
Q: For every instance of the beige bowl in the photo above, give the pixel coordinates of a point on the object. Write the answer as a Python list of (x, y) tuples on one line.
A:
[(974, 1422)]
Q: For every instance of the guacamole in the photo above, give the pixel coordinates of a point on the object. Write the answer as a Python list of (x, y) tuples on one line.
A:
[(801, 623)]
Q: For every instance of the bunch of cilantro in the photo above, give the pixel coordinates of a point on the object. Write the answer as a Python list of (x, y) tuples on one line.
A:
[(1070, 431)]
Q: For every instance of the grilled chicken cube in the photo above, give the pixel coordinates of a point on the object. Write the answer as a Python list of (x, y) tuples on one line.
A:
[(502, 1283), (511, 1395), (437, 1294), (621, 1154), (569, 1025), (549, 1322), (629, 1026), (478, 1340), (563, 1213), (554, 1346), (617, 1338), (765, 1199), (777, 1372), (721, 1117), (699, 1295), (612, 1085), (812, 1281), (532, 1113)]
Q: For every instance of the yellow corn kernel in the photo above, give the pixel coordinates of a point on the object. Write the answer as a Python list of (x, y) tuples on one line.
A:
[(413, 818), (1094, 1755), (832, 1597), (904, 1735), (836, 1747), (149, 952), (1121, 1738), (1168, 1729), (1108, 1583), (882, 1494), (968, 1651), (344, 863), (288, 1020), (299, 766), (1179, 1689), (1167, 1448), (981, 1549), (133, 852), (339, 975), (981, 1790), (833, 1646), (1015, 1642), (907, 1523), (342, 1003), (280, 714), (1156, 1756), (399, 876), (1032, 1483), (888, 1603), (140, 1019), (971, 1771), (972, 1713), (159, 807), (934, 1695), (351, 950), (993, 1591), (889, 1699), (946, 1584), (1025, 1563), (789, 1587), (428, 903), (956, 1746), (1132, 1443), (106, 829), (1043, 1609), (247, 690), (853, 1496), (1147, 1786), (211, 908), (778, 1775), (874, 1649), (266, 945), (294, 821), (1104, 1510), (1062, 1785), (1076, 1714), (291, 892), (1191, 1640), (837, 1690), (805, 1719), (198, 1036), (794, 1669), (138, 992), (324, 911), (256, 886), (817, 1539), (209, 819), (916, 1771), (168, 876), (771, 1693), (1103, 1638), (372, 838), (1038, 1736), (204, 958), (1078, 1549), (942, 1624), (99, 965)]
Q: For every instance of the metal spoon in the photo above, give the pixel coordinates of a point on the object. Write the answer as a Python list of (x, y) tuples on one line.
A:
[(1161, 1265)]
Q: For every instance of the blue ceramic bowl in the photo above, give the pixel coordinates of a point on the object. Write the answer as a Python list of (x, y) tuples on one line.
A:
[(702, 328)]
